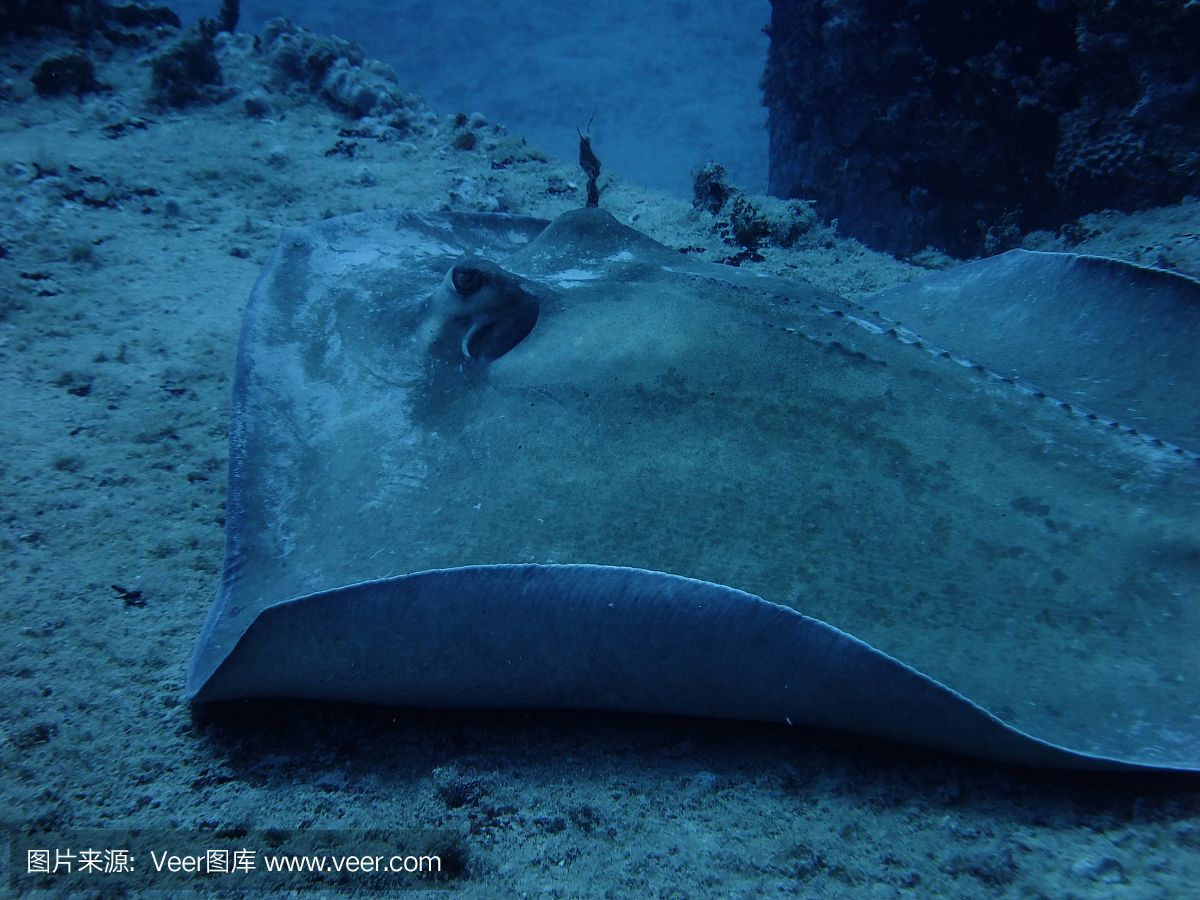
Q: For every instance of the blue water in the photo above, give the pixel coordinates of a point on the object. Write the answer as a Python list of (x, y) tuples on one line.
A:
[(672, 85)]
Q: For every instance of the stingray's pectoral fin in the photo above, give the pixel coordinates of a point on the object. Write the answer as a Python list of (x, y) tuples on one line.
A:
[(489, 337)]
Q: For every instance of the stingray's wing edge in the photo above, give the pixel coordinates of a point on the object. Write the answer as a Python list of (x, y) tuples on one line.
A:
[(606, 638)]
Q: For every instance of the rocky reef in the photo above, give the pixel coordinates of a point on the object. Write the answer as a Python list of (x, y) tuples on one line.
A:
[(86, 20), (962, 126)]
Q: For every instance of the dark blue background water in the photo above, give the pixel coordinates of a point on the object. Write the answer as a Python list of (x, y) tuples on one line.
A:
[(673, 84)]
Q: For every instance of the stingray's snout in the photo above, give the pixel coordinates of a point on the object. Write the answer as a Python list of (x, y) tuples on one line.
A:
[(488, 309)]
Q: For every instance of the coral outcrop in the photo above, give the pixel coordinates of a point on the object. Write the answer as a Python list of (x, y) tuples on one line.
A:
[(931, 122)]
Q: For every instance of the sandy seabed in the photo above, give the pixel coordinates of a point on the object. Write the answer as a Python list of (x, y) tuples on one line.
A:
[(131, 236)]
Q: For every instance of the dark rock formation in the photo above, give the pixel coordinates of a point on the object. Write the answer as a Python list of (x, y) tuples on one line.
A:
[(85, 18), (188, 72), (961, 125), (65, 73)]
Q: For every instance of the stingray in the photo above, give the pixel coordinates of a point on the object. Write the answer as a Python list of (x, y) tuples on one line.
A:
[(1118, 340), (486, 461)]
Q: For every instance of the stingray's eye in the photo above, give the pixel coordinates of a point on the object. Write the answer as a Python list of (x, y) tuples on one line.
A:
[(467, 280)]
